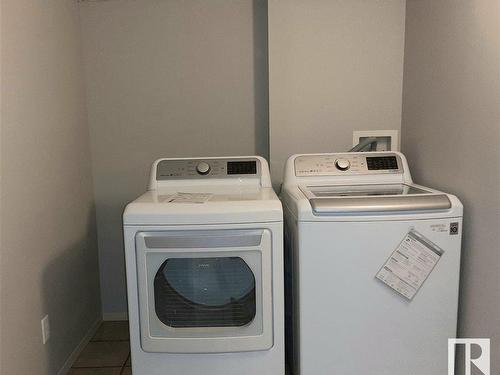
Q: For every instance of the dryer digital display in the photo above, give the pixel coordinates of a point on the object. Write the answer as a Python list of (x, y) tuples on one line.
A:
[(242, 167)]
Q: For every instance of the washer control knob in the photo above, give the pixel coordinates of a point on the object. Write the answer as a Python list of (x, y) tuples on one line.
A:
[(203, 168), (342, 164)]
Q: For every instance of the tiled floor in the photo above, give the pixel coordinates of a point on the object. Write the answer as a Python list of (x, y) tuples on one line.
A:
[(108, 353)]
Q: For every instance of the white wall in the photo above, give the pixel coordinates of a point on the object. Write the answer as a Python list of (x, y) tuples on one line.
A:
[(334, 67), (451, 136), (167, 79), (48, 246)]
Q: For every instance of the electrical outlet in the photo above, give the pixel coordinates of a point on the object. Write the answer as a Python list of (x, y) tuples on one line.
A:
[(45, 329)]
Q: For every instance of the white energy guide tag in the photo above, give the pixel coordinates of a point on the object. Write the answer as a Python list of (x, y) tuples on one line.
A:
[(410, 264)]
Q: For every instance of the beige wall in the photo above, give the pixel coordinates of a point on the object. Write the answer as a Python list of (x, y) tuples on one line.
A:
[(48, 250), (451, 135), (167, 79), (334, 67)]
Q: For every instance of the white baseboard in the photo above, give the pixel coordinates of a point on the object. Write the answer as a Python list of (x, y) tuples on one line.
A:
[(74, 355), (114, 316)]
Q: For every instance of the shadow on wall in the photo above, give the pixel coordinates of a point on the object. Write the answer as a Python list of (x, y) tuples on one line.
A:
[(71, 297), (112, 253), (261, 77)]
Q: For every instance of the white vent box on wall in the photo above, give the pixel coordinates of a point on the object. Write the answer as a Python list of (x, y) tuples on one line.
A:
[(387, 140)]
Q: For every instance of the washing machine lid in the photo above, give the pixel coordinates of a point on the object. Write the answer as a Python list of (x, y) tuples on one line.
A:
[(198, 206), (360, 186), (373, 198)]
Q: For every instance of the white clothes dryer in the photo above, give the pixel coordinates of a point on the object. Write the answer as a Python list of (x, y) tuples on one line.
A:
[(372, 265), (204, 260)]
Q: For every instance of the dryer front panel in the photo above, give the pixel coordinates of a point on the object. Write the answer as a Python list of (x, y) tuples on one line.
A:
[(205, 291)]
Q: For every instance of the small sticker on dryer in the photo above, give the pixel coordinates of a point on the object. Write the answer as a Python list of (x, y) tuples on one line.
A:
[(190, 198), (410, 264)]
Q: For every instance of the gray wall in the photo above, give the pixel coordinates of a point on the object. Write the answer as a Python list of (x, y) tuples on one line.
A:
[(334, 67), (451, 135), (167, 79), (48, 246)]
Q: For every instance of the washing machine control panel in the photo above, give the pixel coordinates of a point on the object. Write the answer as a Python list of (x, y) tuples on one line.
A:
[(347, 164), (208, 168)]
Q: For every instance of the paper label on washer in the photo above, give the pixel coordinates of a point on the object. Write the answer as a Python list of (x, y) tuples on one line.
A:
[(410, 264), (190, 198)]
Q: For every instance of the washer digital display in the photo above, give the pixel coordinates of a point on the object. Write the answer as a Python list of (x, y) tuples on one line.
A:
[(381, 162)]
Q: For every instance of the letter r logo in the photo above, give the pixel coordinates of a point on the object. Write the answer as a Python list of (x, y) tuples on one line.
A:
[(482, 362)]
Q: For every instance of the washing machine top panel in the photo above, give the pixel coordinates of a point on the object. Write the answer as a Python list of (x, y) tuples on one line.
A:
[(204, 205), (364, 199), (333, 191), (360, 186)]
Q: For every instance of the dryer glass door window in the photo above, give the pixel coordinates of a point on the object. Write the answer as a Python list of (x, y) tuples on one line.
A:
[(205, 292)]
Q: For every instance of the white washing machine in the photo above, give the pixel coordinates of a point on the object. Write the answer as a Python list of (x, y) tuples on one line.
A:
[(372, 263), (204, 259)]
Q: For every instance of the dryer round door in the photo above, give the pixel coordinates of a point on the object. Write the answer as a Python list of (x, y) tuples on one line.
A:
[(205, 291)]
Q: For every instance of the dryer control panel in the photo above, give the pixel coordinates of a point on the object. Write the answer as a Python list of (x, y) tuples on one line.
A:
[(347, 164), (172, 169)]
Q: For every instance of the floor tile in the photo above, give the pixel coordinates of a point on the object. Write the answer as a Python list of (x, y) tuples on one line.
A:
[(112, 331), (103, 354), (127, 371), (95, 371)]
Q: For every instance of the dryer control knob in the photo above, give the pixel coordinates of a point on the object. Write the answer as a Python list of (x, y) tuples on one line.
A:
[(203, 168), (342, 164)]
